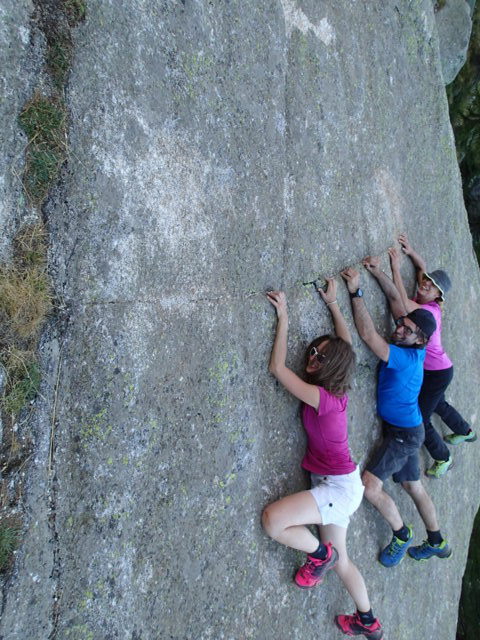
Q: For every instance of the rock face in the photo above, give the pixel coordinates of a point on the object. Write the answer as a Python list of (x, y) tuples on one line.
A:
[(217, 150), (454, 25), (16, 52)]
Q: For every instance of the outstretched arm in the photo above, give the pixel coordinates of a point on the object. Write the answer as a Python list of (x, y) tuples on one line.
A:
[(362, 318), (418, 261), (330, 298), (409, 305), (308, 393), (397, 305)]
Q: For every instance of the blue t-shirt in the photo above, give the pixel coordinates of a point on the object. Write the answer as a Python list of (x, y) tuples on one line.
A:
[(399, 382)]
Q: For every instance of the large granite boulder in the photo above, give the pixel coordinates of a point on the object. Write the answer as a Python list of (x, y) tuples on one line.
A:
[(454, 25), (216, 150)]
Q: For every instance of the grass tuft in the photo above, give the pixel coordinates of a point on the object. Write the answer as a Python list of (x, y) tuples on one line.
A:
[(44, 121), (75, 10), (9, 539), (59, 57), (30, 247), (24, 389)]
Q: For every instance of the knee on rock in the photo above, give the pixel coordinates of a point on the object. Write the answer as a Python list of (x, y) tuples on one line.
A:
[(269, 522)]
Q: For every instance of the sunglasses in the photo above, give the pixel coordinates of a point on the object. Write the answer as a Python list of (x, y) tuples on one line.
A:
[(318, 354), (400, 322)]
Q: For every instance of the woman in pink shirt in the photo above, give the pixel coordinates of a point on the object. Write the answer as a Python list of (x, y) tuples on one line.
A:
[(438, 368), (336, 489)]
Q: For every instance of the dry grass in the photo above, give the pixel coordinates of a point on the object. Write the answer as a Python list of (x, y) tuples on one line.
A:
[(25, 302), (30, 246), (25, 296)]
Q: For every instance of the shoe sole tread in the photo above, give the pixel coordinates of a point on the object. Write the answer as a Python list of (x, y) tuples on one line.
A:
[(460, 441)]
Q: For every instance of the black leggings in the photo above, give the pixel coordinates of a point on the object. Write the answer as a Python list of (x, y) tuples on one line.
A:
[(432, 400)]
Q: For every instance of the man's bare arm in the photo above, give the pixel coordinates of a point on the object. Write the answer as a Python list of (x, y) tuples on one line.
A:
[(397, 305), (409, 304), (363, 320)]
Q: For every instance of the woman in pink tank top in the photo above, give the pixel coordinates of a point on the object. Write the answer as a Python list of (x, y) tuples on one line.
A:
[(438, 369), (336, 489)]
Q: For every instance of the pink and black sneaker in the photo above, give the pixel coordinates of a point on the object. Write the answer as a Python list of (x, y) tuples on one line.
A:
[(353, 626), (313, 571)]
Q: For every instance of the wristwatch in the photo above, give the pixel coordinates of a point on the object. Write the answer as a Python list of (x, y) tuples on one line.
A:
[(357, 294)]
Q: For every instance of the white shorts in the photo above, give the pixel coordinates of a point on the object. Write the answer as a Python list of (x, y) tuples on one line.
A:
[(337, 497)]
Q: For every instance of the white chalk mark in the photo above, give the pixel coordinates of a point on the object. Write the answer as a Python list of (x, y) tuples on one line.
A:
[(295, 18)]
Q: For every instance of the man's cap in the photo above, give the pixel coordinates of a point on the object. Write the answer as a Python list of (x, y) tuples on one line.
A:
[(424, 321), (441, 280)]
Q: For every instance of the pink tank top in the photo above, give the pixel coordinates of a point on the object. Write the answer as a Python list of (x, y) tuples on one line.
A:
[(435, 359)]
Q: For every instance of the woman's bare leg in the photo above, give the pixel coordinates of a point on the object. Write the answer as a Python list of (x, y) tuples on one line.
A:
[(285, 521), (346, 570)]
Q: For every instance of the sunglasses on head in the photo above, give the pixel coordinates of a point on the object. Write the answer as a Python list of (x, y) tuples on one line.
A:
[(400, 322), (318, 354)]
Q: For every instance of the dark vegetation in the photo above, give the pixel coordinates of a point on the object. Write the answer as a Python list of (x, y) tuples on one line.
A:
[(26, 298), (468, 613), (464, 101), (9, 539)]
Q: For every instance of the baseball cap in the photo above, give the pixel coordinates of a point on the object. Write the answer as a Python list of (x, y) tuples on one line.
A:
[(424, 321)]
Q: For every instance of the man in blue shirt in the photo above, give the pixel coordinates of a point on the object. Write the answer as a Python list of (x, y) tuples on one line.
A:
[(399, 381)]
